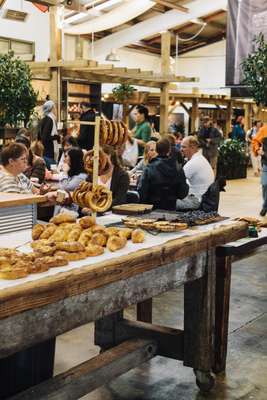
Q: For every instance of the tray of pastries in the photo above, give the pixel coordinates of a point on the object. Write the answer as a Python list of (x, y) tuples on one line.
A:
[(62, 240), (171, 221)]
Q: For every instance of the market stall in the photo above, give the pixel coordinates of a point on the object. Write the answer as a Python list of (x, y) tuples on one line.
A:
[(37, 308)]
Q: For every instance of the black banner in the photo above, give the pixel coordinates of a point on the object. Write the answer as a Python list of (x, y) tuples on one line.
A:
[(246, 20)]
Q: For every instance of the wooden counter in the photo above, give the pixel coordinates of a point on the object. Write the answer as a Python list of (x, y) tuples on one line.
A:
[(37, 311), (16, 199)]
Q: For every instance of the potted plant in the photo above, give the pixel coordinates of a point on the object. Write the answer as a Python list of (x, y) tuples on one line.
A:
[(123, 92), (17, 96), (255, 71), (233, 159)]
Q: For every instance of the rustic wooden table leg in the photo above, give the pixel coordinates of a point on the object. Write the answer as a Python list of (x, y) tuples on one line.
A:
[(105, 330), (223, 288), (199, 315), (144, 311)]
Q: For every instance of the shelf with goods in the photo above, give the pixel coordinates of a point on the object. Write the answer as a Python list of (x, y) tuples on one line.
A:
[(75, 92)]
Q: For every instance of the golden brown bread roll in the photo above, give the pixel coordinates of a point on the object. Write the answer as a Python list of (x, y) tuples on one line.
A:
[(41, 242), (55, 261), (85, 237), (81, 255), (99, 238), (115, 243), (138, 236), (70, 247), (60, 235), (13, 273), (43, 250), (62, 218), (87, 222), (38, 266), (112, 230), (125, 232), (37, 230), (74, 234), (98, 228), (93, 250), (48, 232)]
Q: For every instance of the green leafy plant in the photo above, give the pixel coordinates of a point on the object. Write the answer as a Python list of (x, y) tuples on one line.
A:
[(255, 71), (123, 92), (17, 96), (233, 158)]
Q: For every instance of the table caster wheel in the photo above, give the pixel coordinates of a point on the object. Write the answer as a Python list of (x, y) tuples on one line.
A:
[(204, 380)]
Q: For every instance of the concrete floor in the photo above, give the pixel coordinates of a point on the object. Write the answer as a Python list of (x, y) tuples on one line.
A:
[(165, 379)]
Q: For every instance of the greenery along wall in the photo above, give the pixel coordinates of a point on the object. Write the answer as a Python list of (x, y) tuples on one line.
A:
[(17, 96)]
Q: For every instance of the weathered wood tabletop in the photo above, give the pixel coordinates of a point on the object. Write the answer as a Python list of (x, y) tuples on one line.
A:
[(33, 312), (16, 199)]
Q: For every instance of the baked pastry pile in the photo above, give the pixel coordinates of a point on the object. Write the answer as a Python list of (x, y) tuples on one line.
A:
[(98, 198), (62, 240), (113, 133)]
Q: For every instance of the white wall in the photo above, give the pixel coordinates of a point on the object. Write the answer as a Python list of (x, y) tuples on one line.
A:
[(207, 64), (34, 29)]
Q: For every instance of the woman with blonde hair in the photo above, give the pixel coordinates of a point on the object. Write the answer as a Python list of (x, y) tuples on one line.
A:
[(149, 154)]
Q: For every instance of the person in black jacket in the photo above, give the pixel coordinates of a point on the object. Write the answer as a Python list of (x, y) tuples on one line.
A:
[(162, 182), (47, 133), (86, 136)]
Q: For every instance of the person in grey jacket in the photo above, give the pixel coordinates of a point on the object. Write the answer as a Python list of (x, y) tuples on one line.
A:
[(209, 139)]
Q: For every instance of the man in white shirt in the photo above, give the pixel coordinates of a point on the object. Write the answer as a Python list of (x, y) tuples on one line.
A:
[(198, 172)]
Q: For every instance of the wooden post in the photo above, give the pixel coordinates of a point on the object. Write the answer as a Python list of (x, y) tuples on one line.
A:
[(229, 118), (79, 48), (247, 117), (194, 115), (55, 55), (165, 70)]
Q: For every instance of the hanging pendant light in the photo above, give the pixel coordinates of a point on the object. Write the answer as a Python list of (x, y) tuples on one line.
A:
[(112, 56)]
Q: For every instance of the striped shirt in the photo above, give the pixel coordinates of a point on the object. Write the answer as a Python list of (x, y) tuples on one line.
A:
[(14, 184)]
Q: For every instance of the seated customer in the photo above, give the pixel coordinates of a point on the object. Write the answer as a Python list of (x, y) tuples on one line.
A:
[(36, 165), (198, 172), (14, 163), (162, 183), (149, 153), (115, 178)]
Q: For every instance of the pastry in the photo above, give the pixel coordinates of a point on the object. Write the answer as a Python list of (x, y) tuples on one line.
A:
[(60, 235), (70, 247), (55, 261), (40, 242), (125, 232), (138, 236), (61, 218), (98, 228), (13, 273), (112, 230), (115, 243), (99, 199), (99, 238), (43, 250), (38, 266), (74, 234), (85, 237), (48, 232), (87, 222), (37, 230), (71, 256), (93, 250), (167, 226)]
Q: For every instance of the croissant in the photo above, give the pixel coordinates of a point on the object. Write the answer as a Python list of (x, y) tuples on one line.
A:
[(115, 243), (93, 250), (70, 247), (87, 222), (61, 218), (49, 230), (99, 239), (37, 230)]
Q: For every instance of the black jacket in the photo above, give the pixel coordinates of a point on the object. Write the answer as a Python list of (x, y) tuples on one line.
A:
[(86, 136), (119, 186), (44, 134), (209, 149), (162, 183)]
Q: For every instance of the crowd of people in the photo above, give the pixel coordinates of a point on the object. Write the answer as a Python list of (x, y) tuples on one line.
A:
[(171, 172)]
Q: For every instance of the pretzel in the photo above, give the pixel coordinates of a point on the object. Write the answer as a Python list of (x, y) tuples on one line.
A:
[(103, 131), (89, 162), (115, 133), (99, 199)]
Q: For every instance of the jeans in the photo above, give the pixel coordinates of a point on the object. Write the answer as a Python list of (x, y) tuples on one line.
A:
[(190, 202)]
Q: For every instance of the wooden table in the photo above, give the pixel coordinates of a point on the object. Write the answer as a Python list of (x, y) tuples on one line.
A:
[(224, 257), (34, 312)]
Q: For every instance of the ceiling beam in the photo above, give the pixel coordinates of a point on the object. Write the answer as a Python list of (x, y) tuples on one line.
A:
[(172, 6)]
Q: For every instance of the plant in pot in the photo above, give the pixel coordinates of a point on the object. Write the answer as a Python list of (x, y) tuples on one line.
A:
[(255, 71), (122, 94), (233, 159), (17, 96)]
